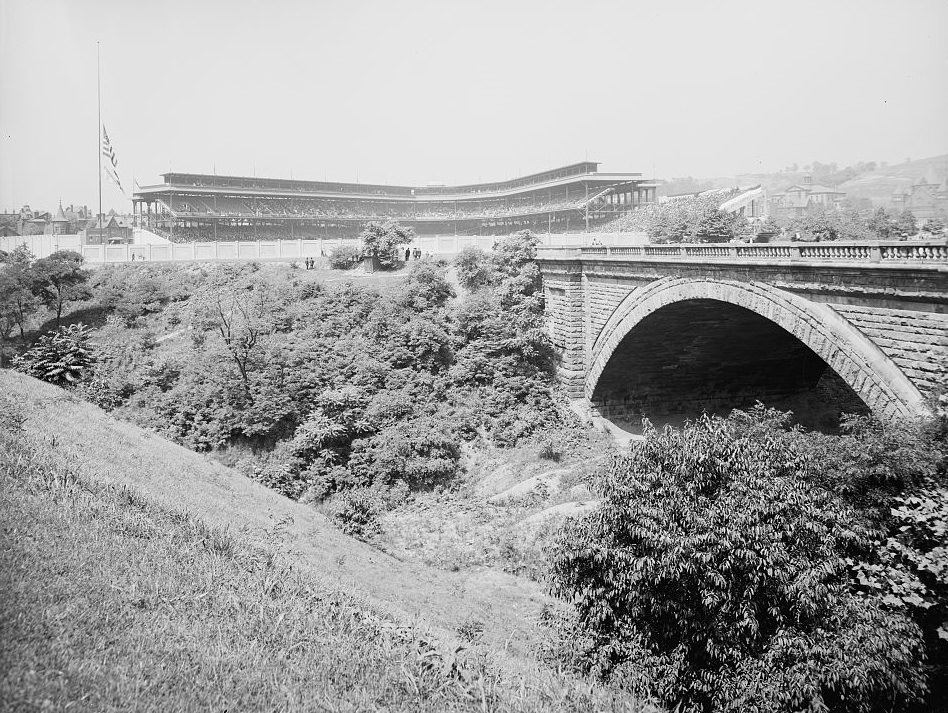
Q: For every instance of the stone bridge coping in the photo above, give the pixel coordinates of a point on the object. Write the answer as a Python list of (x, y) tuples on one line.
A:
[(932, 255)]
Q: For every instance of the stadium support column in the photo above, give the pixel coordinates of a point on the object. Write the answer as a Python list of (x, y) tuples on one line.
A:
[(586, 206)]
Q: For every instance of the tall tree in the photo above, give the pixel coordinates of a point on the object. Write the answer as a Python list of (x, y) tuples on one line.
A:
[(243, 315), (60, 278), (381, 240), (17, 302), (905, 224)]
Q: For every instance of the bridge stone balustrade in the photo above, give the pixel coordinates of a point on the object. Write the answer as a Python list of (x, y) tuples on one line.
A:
[(707, 325)]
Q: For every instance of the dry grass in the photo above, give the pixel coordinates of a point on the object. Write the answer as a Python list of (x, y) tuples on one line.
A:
[(114, 601)]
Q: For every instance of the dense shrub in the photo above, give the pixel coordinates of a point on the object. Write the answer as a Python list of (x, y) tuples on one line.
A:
[(63, 357), (344, 256), (475, 268), (893, 475), (420, 453), (716, 577)]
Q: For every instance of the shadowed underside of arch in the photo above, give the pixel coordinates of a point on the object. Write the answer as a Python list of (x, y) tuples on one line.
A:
[(871, 375)]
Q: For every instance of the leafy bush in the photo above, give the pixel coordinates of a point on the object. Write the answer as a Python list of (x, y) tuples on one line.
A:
[(63, 357), (344, 256), (475, 268), (418, 453), (893, 475), (357, 513), (715, 577)]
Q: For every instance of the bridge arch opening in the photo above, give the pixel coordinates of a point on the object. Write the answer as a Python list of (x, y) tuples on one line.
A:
[(702, 354), (706, 322)]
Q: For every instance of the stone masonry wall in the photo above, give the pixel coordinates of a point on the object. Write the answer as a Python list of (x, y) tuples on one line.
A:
[(604, 296), (916, 341)]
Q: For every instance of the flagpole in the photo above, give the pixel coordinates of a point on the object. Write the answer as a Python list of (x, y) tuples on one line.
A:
[(98, 77)]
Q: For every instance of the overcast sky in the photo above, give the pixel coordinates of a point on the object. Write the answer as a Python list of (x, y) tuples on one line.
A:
[(411, 92)]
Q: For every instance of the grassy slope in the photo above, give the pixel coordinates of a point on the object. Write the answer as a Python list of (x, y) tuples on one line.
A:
[(109, 597), (879, 184)]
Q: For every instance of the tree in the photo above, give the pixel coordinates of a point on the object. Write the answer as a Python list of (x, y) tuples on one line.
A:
[(17, 302), (882, 224), (21, 255), (382, 239), (717, 578), (935, 225), (687, 219), (905, 224), (243, 315), (59, 279), (7, 311), (474, 268)]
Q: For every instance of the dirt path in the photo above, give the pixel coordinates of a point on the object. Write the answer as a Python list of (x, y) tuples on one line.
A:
[(118, 452)]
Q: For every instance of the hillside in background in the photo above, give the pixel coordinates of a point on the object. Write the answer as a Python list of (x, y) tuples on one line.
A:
[(869, 180), (879, 185)]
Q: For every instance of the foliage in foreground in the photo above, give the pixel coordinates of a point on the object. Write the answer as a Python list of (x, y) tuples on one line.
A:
[(717, 577), (111, 603)]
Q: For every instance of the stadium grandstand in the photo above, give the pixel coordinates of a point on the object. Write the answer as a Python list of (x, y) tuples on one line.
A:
[(573, 198)]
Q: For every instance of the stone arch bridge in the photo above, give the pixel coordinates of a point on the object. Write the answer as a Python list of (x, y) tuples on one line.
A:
[(682, 328)]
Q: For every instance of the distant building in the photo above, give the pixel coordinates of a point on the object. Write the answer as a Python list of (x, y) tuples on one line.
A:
[(113, 229), (797, 199), (59, 223), (927, 198), (26, 221), (9, 224)]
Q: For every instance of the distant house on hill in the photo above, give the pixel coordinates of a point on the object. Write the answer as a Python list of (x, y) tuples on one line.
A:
[(927, 198), (795, 200)]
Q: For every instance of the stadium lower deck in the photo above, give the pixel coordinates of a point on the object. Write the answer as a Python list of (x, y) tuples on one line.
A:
[(197, 207)]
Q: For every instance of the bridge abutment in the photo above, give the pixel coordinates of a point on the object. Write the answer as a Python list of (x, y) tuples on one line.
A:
[(566, 323)]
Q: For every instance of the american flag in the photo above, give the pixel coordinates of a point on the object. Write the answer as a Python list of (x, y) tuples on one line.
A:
[(111, 165)]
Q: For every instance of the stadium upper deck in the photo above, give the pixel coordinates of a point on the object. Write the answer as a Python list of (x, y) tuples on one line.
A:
[(191, 206)]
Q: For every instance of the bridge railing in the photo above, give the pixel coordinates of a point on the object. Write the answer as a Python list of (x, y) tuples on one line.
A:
[(927, 252)]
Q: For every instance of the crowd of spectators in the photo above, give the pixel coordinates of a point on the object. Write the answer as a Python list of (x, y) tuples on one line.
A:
[(361, 210), (288, 218)]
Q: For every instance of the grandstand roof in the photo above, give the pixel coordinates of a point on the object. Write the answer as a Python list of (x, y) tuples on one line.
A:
[(245, 185)]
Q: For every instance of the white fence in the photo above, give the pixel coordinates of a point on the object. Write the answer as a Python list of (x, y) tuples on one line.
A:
[(278, 250), (43, 245)]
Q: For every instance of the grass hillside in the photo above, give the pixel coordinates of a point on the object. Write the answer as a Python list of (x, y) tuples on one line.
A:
[(137, 574), (879, 185), (876, 185)]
